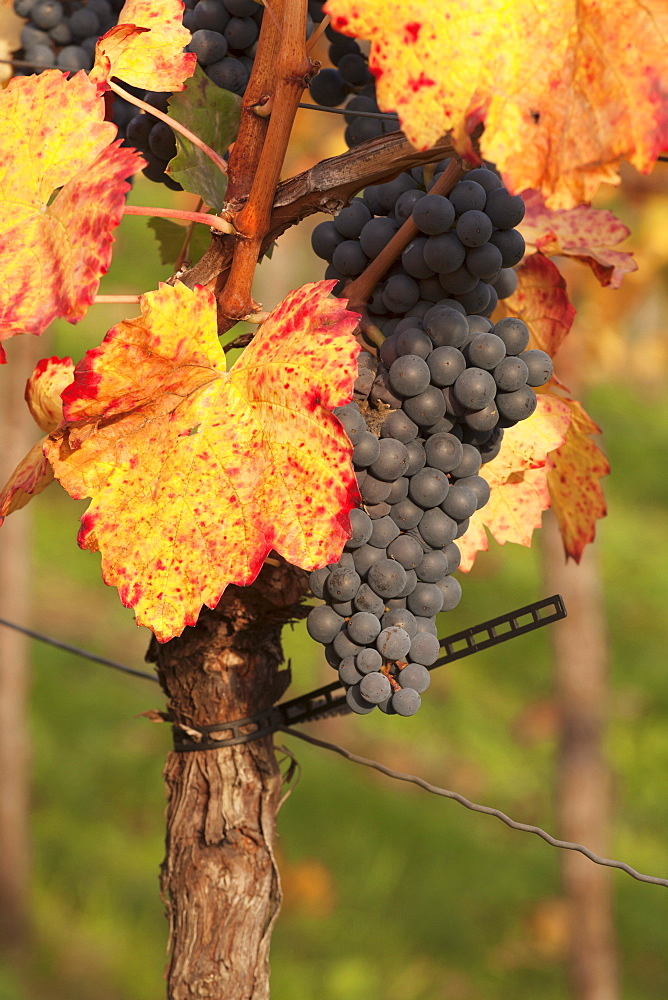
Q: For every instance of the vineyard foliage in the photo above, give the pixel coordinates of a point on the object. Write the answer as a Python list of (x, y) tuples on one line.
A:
[(194, 471)]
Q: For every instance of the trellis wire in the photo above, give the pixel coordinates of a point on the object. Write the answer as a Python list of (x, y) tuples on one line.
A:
[(566, 845)]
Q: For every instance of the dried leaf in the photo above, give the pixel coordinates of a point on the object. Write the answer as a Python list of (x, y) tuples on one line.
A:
[(145, 48), (213, 114), (43, 396), (197, 473), (43, 391), (55, 246), (541, 300), (565, 90), (584, 233), (575, 482)]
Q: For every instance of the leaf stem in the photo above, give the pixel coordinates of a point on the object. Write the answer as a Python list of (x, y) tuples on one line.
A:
[(178, 213), (173, 124)]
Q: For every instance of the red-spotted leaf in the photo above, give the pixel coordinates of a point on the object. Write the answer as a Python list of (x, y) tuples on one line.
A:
[(145, 48), (575, 482), (518, 478), (197, 473), (585, 233), (43, 396), (541, 300), (62, 191)]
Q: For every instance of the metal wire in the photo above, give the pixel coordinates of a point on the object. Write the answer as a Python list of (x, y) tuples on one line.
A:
[(475, 807), (78, 652)]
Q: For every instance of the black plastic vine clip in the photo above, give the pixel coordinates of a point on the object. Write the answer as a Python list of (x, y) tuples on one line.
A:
[(331, 699)]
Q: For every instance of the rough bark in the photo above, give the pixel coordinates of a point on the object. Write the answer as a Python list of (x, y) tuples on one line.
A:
[(219, 879), (583, 780), (18, 435)]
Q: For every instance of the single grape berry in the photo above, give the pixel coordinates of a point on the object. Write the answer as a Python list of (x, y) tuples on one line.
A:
[(539, 365), (406, 701), (375, 687)]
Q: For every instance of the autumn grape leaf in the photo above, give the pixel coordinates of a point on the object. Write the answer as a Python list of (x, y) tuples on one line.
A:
[(541, 300), (62, 191), (145, 48), (518, 479), (585, 233), (575, 482), (213, 114), (197, 473), (565, 90), (33, 473)]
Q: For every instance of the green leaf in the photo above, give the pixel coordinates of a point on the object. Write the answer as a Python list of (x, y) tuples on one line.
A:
[(212, 114), (170, 237)]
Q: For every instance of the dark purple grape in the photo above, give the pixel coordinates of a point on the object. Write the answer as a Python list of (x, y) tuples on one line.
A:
[(361, 526), (460, 502), (400, 293), (444, 253), (348, 672), (352, 219), (514, 333), (424, 650), (376, 235), (511, 374), (375, 687), (510, 245), (358, 704), (406, 701), (317, 581), (368, 660), (458, 282), (352, 420), (405, 204), (453, 556), (383, 532), (492, 447), (354, 69), (390, 192), (475, 388), (505, 283), (406, 514), (433, 214), (367, 600), (517, 405), (323, 624), (344, 646), (467, 196), (473, 228), (428, 488), (477, 300), (82, 22), (366, 450), (392, 462), (487, 178), (363, 628), (426, 600), (426, 408), (329, 88), (539, 365), (228, 74), (343, 584), (372, 489), (161, 141), (412, 259), (482, 420), (485, 261), (48, 13), (479, 324), (209, 46), (378, 510), (469, 463), (409, 375), (485, 350), (504, 210), (415, 677), (211, 15), (349, 258), (73, 58), (399, 490), (399, 426), (451, 590), (417, 457), (445, 365), (432, 566), (325, 238), (387, 578), (446, 327), (406, 550), (402, 618), (393, 643), (425, 625), (437, 528), (444, 452), (479, 486)]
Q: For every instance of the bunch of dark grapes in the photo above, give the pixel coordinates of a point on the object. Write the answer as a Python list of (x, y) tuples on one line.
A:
[(463, 256), (453, 382)]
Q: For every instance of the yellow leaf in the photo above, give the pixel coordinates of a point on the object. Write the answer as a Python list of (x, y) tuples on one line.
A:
[(565, 90), (197, 473)]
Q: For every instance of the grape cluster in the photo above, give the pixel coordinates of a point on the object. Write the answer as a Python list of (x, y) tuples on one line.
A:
[(453, 382), (463, 255)]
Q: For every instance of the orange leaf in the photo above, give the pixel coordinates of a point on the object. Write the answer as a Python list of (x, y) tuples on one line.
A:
[(541, 300), (33, 473), (43, 389), (197, 473), (53, 249), (584, 233), (565, 89), (518, 480), (575, 487), (145, 48)]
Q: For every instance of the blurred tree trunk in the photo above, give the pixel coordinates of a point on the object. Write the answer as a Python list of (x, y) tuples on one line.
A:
[(219, 879), (580, 645), (18, 434)]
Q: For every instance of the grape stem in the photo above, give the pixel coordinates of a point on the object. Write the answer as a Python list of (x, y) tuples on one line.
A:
[(178, 213), (359, 290), (173, 124)]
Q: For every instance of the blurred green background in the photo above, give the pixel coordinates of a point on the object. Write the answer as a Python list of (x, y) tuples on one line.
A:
[(390, 893)]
